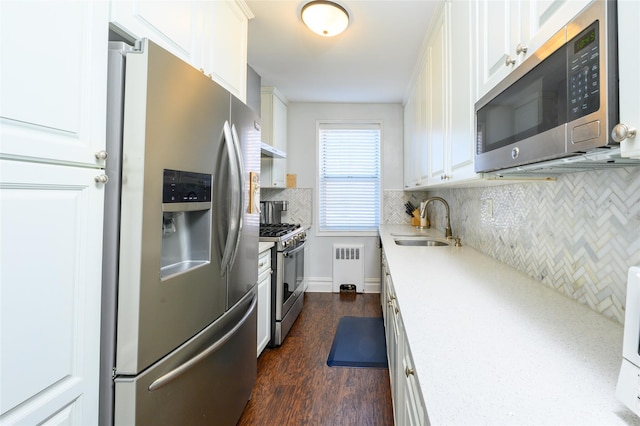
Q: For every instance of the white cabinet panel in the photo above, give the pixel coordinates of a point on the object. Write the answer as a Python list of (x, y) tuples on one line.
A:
[(228, 57), (497, 34), (50, 302), (273, 106), (437, 101), (439, 140), (170, 24), (462, 109), (509, 31), (210, 35), (53, 80), (264, 300), (629, 16)]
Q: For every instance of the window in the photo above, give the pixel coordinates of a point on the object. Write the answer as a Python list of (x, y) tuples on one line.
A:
[(349, 177)]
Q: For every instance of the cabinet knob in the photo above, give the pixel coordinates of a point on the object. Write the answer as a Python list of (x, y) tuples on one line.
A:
[(409, 371), (101, 179), (102, 155), (621, 132), (509, 61), (520, 48)]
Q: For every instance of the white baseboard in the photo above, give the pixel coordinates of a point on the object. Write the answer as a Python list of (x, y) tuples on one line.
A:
[(325, 285)]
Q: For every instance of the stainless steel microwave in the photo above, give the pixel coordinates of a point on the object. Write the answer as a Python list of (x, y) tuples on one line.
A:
[(560, 102)]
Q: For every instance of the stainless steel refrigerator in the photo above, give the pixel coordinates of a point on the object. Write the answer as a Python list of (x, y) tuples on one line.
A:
[(181, 245)]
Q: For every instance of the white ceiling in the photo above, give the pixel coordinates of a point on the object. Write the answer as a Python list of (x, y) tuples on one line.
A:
[(372, 61)]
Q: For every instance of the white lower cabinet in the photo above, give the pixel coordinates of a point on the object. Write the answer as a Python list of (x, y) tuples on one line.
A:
[(408, 403), (413, 410), (264, 299), (51, 251)]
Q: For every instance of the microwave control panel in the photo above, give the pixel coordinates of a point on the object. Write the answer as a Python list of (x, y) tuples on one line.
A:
[(584, 73)]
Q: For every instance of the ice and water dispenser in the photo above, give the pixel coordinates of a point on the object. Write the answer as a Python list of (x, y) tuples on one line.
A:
[(186, 221)]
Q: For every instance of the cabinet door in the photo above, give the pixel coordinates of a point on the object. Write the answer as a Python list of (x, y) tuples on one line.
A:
[(545, 18), (410, 148), (628, 18), (274, 133), (498, 34), (51, 273), (437, 102), (279, 129), (264, 310), (414, 413), (421, 132), (170, 24), (458, 19), (227, 47), (392, 347), (53, 77)]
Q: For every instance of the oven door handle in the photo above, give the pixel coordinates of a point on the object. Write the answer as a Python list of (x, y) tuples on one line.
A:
[(289, 253)]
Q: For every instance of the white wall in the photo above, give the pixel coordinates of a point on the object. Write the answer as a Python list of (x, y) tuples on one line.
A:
[(302, 161)]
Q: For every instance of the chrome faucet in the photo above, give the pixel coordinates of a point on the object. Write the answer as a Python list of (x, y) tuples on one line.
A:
[(423, 214)]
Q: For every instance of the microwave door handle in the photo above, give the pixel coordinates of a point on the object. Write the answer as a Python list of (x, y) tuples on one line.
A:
[(239, 188), (172, 375), (231, 237)]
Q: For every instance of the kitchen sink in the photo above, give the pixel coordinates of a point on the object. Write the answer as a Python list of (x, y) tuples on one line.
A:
[(422, 241)]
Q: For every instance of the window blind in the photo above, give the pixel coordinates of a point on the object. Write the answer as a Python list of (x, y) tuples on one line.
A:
[(349, 181)]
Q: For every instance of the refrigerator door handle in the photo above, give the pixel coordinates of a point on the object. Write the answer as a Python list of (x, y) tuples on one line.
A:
[(240, 189), (231, 243), (177, 372)]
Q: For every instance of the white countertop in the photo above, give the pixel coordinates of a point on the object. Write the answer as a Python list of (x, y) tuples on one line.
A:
[(264, 246), (492, 346)]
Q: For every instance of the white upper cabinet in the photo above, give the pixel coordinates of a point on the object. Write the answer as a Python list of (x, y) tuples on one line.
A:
[(438, 120), (53, 79), (629, 63), (411, 171), (461, 123), (225, 45), (273, 107), (210, 35), (509, 31), (170, 24), (437, 101)]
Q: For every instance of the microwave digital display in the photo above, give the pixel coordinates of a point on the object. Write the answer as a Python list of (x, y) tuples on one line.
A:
[(585, 40)]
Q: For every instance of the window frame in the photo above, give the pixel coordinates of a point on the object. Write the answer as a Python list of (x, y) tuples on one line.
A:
[(354, 124)]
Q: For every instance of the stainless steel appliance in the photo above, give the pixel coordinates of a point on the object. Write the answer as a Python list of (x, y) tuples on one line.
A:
[(561, 103), (181, 245), (288, 279), (271, 211), (628, 388)]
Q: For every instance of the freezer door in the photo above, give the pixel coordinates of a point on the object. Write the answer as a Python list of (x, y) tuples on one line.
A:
[(173, 120), (207, 381), (243, 276)]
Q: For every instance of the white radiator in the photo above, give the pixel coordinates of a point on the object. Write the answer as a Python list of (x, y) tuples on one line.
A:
[(348, 267)]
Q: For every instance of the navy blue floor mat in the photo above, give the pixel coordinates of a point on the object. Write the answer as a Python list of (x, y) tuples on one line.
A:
[(359, 342)]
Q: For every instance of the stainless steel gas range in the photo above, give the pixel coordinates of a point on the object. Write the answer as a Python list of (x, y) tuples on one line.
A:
[(287, 281)]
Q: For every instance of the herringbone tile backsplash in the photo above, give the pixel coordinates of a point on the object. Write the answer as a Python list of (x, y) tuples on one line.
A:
[(578, 235)]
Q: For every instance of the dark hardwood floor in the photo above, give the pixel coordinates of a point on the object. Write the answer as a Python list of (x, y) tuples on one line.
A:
[(296, 387)]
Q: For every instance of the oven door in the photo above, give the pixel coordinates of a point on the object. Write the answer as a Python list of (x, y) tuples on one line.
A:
[(291, 285)]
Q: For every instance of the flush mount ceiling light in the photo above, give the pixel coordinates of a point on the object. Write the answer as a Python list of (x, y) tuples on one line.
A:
[(325, 17)]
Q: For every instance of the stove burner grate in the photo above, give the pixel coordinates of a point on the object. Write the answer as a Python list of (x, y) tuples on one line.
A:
[(277, 229)]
